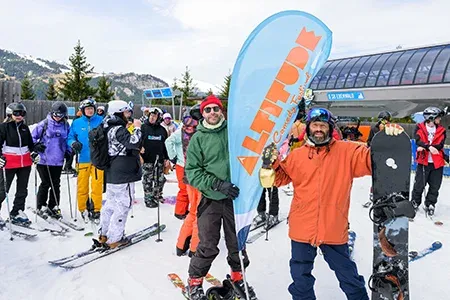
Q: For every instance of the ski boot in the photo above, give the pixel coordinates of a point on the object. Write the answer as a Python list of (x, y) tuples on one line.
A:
[(2, 222), (415, 205), (224, 292), (195, 288), (95, 217), (260, 219), (150, 202), (43, 212), (21, 219), (100, 242), (85, 216), (55, 212), (429, 210), (123, 241), (271, 222), (237, 281)]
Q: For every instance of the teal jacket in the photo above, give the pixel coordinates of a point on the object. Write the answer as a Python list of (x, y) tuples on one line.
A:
[(174, 147), (207, 160), (79, 131)]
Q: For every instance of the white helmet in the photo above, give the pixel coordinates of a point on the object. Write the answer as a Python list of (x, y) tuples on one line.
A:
[(118, 106), (167, 115)]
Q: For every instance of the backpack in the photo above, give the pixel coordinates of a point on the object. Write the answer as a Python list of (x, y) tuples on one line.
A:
[(98, 147)]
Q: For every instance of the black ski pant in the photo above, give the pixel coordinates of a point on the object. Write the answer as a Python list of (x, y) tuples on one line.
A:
[(50, 186), (274, 201), (427, 174), (23, 175), (210, 216)]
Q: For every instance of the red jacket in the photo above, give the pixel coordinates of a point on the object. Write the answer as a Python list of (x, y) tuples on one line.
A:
[(421, 136)]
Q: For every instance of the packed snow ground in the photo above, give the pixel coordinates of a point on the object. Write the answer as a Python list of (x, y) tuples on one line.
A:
[(140, 272)]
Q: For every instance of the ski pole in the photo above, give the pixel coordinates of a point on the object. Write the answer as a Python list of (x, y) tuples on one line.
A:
[(35, 192), (70, 196), (51, 183), (76, 198), (268, 217), (155, 178), (5, 185), (244, 275)]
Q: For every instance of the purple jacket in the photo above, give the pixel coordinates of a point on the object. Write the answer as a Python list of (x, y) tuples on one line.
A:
[(54, 138)]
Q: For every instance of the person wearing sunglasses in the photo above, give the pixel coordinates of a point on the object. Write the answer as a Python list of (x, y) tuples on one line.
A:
[(101, 111), (430, 138), (16, 146), (208, 170), (322, 173), (50, 138), (89, 199)]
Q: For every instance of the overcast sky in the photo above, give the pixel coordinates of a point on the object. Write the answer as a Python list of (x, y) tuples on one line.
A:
[(161, 37)]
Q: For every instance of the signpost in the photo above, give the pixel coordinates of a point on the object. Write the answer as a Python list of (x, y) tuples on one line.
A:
[(159, 93), (345, 96)]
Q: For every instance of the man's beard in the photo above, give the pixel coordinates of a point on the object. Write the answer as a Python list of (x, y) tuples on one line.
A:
[(211, 121), (319, 139)]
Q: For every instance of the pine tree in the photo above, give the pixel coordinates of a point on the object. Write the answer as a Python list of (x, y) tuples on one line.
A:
[(188, 86), (175, 84), (51, 93), (225, 90), (104, 93), (27, 89), (75, 86)]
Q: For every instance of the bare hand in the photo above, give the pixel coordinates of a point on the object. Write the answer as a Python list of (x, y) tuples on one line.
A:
[(137, 123), (166, 163), (393, 129), (420, 149), (433, 150), (142, 150)]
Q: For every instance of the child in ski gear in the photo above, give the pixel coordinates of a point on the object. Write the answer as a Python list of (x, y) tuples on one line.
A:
[(174, 148), (16, 147), (384, 117), (153, 138), (323, 225), (78, 140), (261, 217), (207, 169), (188, 236), (168, 124), (124, 170), (430, 138), (50, 138)]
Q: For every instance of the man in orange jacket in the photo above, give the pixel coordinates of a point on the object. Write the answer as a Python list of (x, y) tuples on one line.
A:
[(322, 174)]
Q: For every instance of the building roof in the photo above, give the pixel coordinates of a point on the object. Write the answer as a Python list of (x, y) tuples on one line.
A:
[(418, 66)]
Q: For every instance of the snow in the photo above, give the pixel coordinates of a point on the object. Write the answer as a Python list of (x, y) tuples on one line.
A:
[(35, 60), (140, 272)]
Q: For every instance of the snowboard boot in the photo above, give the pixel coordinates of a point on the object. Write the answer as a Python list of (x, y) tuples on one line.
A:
[(237, 281), (224, 292), (20, 219), (272, 221), (260, 219), (195, 288), (429, 210)]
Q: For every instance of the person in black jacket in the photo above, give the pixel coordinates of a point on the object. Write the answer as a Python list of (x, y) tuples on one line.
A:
[(124, 170), (384, 118), (16, 158), (153, 147)]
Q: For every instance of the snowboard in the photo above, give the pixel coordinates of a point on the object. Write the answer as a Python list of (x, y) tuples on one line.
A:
[(390, 213)]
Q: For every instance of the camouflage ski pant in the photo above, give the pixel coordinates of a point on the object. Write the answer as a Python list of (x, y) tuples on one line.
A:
[(153, 182)]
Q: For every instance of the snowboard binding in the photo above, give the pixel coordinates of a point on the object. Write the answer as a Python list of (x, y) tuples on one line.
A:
[(224, 292), (388, 279), (390, 207)]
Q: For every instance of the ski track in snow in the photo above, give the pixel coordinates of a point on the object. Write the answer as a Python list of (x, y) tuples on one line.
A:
[(140, 272)]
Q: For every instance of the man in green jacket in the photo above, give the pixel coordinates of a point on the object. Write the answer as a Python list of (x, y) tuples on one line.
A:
[(208, 170)]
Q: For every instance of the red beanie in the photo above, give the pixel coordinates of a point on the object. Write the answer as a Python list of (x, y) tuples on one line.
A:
[(211, 99)]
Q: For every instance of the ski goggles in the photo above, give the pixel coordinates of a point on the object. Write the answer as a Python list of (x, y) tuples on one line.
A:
[(320, 115), (58, 115), (19, 113), (208, 109)]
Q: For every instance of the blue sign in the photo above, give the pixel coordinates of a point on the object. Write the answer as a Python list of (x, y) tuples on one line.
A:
[(343, 96), (158, 93), (71, 111)]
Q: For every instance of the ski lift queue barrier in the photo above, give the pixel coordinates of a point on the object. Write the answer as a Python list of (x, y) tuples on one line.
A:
[(414, 163)]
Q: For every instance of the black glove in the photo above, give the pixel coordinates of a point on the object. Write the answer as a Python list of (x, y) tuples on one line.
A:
[(35, 157), (174, 160), (76, 146), (40, 148), (2, 161), (227, 188), (67, 155)]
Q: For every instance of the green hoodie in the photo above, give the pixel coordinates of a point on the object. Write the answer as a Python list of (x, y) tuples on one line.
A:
[(207, 159)]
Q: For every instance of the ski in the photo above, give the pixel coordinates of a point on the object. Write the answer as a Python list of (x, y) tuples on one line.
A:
[(257, 235), (64, 260), (69, 224), (415, 255), (20, 234), (133, 239), (178, 283), (47, 224), (212, 280)]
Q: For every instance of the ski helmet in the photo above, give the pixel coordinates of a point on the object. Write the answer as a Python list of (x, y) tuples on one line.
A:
[(118, 107), (431, 113), (87, 103), (59, 109), (195, 112), (103, 109), (16, 107), (385, 115), (157, 111), (320, 115)]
